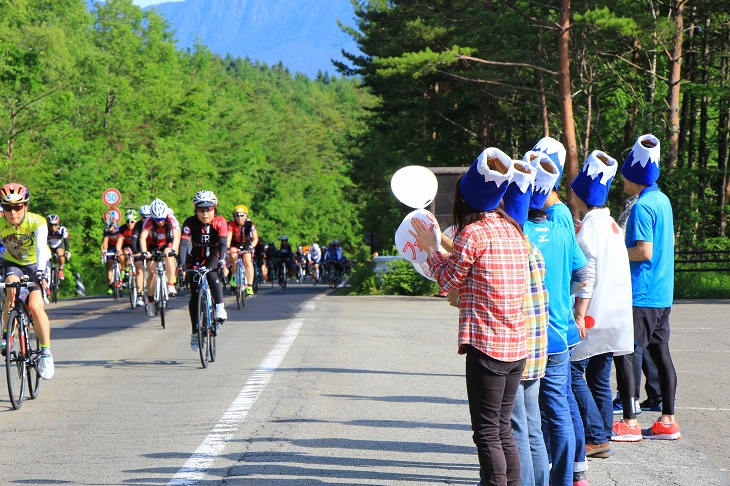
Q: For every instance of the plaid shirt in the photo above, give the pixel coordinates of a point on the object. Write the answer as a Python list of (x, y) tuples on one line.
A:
[(489, 266), (535, 308)]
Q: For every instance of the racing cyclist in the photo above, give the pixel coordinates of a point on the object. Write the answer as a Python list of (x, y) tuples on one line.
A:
[(161, 231), (24, 235), (242, 237), (124, 242), (109, 248), (332, 256), (285, 255), (204, 236), (315, 256), (144, 213), (58, 241)]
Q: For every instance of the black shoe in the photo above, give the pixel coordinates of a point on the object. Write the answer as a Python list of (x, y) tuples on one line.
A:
[(651, 405)]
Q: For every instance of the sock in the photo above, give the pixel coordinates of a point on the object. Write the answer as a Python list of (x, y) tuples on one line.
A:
[(45, 349)]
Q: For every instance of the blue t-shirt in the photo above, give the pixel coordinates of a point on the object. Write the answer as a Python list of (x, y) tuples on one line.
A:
[(562, 255), (651, 220)]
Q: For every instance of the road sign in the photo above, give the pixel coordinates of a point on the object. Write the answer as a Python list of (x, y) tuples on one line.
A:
[(112, 197), (114, 213)]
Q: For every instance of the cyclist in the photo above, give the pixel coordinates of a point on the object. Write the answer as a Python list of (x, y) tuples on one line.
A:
[(144, 212), (109, 248), (270, 252), (300, 261), (285, 255), (205, 237), (242, 237), (258, 256), (315, 256), (24, 235), (124, 242), (58, 241), (333, 255), (161, 231)]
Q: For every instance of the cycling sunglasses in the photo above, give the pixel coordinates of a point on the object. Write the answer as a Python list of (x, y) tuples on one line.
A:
[(159, 220), (240, 215), (13, 207)]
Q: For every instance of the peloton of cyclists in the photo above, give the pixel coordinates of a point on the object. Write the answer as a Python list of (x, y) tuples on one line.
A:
[(242, 237), (24, 235), (205, 238), (160, 232), (58, 241), (109, 248)]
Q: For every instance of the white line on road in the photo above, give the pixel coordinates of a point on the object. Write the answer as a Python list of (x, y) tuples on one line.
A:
[(205, 455)]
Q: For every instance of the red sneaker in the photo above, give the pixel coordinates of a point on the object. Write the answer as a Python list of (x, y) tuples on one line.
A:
[(662, 431), (623, 432)]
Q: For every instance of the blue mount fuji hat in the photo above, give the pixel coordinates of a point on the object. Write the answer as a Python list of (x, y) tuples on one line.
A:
[(547, 174), (555, 151), (484, 184), (593, 181), (642, 164), (517, 197)]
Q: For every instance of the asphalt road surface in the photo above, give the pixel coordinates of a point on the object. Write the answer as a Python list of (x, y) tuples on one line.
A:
[(311, 388)]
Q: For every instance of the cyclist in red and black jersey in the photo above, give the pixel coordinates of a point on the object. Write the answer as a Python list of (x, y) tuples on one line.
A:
[(109, 248), (205, 238), (161, 231), (124, 243), (144, 212), (242, 237)]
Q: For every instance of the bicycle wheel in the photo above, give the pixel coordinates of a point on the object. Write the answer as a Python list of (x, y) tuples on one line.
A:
[(54, 284), (34, 351), (15, 360), (162, 292), (132, 288), (203, 323), (116, 281), (239, 283)]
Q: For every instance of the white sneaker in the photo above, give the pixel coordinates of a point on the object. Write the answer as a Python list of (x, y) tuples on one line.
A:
[(45, 366), (220, 312), (140, 300), (171, 292), (194, 342), (3, 345)]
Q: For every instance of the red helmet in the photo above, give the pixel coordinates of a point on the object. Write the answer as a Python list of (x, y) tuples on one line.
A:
[(14, 193)]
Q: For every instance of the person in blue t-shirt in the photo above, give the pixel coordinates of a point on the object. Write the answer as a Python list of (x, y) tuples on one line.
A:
[(650, 244)]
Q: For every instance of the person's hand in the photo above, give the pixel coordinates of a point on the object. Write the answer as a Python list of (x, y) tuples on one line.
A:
[(453, 298), (39, 277), (425, 238), (581, 323)]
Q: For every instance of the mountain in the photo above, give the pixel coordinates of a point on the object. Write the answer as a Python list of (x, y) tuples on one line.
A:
[(303, 34)]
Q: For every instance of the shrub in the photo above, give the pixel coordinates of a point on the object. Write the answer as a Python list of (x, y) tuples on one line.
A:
[(402, 279)]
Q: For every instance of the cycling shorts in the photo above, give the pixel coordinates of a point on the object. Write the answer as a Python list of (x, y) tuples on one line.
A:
[(20, 270)]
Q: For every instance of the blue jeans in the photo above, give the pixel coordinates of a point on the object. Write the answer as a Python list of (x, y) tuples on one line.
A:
[(527, 429), (557, 424), (593, 395)]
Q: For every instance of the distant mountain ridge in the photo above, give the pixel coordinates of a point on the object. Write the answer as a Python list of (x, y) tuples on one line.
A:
[(303, 34)]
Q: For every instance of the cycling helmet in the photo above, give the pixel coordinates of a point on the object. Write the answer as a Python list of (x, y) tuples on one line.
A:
[(158, 209), (271, 243), (205, 199), (144, 211), (284, 238), (131, 215), (109, 223), (299, 248), (315, 246), (14, 193), (53, 219), (240, 209)]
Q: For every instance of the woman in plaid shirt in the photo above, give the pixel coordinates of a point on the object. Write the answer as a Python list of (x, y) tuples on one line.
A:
[(488, 266)]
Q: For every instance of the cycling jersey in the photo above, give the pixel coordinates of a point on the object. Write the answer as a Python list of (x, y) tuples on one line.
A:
[(127, 233), (112, 236), (25, 245), (285, 252), (332, 254), (203, 241), (58, 238), (315, 255), (135, 235), (160, 237), (242, 235)]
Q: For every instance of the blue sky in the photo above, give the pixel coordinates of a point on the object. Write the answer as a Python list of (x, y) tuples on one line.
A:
[(145, 3)]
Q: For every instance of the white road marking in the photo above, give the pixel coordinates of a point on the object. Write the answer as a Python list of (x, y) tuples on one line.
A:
[(205, 455)]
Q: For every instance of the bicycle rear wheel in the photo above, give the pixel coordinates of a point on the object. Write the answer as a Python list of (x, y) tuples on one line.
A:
[(203, 322), (34, 351), (15, 360)]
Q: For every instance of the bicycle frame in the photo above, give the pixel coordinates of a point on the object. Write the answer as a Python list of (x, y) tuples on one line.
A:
[(207, 327)]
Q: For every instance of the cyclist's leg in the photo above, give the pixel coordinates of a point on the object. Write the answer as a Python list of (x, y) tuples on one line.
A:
[(151, 278), (233, 260), (170, 269), (109, 271), (193, 305), (216, 290), (248, 266), (139, 268), (41, 323), (12, 274), (61, 257)]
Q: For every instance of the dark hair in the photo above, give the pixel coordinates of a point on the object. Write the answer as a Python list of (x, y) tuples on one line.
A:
[(463, 214)]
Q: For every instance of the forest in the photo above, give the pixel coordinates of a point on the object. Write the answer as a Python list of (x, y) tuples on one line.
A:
[(92, 100)]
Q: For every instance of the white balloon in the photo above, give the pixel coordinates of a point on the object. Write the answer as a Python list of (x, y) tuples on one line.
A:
[(415, 186), (406, 244)]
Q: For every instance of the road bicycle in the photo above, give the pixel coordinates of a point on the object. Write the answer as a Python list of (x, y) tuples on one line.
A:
[(240, 288), (23, 350), (272, 273), (300, 271), (313, 268), (53, 282), (131, 278), (116, 276), (283, 273), (160, 295), (207, 325), (258, 276), (334, 277)]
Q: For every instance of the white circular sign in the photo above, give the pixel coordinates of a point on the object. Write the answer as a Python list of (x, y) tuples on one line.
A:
[(406, 242), (415, 186), (114, 213), (111, 197)]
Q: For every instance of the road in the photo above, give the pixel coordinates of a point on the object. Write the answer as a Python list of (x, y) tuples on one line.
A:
[(311, 388)]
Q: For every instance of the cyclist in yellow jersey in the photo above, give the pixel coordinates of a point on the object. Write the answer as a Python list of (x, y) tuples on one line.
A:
[(25, 237)]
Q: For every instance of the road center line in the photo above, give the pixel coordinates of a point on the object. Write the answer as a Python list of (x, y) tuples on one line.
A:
[(205, 455)]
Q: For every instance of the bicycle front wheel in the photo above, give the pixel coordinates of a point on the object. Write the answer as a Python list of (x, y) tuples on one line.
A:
[(211, 343), (239, 284), (15, 360), (116, 282), (162, 292), (203, 324), (34, 351), (132, 288), (54, 284)]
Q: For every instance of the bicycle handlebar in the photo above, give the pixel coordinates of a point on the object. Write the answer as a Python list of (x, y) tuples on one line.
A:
[(18, 285)]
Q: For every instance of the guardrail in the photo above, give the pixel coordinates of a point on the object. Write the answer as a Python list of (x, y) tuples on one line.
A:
[(698, 260)]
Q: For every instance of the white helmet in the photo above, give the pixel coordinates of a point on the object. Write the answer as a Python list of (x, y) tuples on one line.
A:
[(205, 199), (144, 211), (158, 209), (315, 246)]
